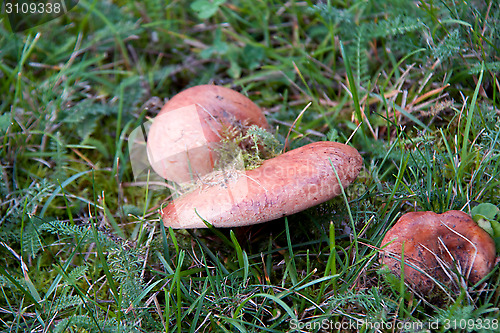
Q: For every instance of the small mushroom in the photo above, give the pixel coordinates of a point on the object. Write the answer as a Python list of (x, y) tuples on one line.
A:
[(183, 137), (283, 185), (436, 247)]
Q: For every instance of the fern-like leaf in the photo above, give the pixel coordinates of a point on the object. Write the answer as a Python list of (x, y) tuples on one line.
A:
[(449, 46), (89, 325)]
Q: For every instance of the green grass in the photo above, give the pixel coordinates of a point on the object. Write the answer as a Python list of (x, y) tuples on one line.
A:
[(414, 88)]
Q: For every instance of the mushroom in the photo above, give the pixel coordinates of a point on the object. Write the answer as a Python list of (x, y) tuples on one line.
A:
[(182, 141), (436, 247), (283, 185)]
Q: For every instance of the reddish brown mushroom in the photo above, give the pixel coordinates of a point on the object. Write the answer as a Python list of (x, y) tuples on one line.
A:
[(436, 248), (283, 185), (182, 141)]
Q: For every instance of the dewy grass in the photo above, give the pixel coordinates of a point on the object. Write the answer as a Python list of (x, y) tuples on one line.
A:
[(80, 245)]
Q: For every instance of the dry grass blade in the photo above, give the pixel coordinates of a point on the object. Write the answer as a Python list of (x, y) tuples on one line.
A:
[(293, 125)]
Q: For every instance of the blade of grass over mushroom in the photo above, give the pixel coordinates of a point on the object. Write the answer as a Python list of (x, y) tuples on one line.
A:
[(351, 219), (402, 286)]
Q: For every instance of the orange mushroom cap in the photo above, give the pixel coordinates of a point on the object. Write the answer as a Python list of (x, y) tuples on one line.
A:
[(183, 137), (435, 245)]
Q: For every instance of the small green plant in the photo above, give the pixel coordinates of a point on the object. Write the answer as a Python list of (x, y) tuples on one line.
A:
[(488, 217), (205, 9), (251, 148)]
